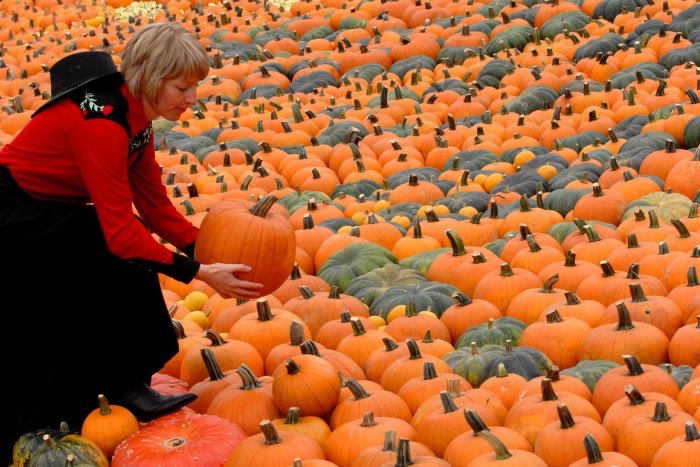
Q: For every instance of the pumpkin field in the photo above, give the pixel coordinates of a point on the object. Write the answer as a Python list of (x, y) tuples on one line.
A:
[(476, 223)]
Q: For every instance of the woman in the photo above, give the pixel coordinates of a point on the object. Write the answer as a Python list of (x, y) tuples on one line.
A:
[(83, 310)]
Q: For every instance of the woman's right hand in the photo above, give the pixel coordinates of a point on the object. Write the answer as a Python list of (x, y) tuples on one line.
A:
[(222, 278)]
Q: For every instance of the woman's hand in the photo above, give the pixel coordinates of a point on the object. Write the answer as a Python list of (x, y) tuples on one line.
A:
[(222, 278)]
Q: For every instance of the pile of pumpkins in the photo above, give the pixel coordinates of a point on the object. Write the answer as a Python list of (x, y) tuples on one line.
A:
[(476, 222)]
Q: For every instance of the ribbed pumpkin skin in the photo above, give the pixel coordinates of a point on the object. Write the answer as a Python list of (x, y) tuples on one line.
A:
[(192, 440), (231, 233), (109, 425), (47, 448)]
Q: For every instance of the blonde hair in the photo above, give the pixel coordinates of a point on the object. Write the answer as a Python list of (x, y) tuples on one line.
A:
[(159, 52)]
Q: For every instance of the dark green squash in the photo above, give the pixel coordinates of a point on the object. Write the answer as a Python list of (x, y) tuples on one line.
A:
[(436, 295), (681, 374), (590, 371), (470, 363), (373, 284), (421, 261), (528, 362), (352, 261), (496, 331), (53, 448)]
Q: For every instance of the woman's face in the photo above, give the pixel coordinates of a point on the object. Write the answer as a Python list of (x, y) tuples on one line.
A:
[(176, 96)]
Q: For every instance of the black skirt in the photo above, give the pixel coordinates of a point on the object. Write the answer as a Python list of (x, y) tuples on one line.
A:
[(77, 321)]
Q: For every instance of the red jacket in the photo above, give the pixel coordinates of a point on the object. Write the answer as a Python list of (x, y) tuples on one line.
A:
[(90, 149)]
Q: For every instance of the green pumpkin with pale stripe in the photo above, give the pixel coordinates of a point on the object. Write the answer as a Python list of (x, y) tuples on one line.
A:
[(470, 363), (495, 331), (50, 448)]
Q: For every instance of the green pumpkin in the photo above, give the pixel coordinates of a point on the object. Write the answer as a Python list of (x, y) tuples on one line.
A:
[(666, 205), (531, 99), (367, 71), (528, 362), (368, 287), (581, 140), (318, 33), (590, 371), (436, 295), (352, 23), (53, 448), (496, 331), (470, 363), (691, 133), (360, 187), (570, 21), (516, 37), (299, 200), (352, 261), (681, 374), (564, 200), (336, 133), (493, 72), (589, 170), (561, 230), (421, 261)]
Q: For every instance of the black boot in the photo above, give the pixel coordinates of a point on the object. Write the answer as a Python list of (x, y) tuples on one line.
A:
[(148, 404)]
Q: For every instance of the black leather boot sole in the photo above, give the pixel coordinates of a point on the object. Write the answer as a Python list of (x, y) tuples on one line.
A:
[(148, 404)]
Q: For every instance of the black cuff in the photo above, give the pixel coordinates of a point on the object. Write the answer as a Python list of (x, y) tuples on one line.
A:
[(183, 268), (188, 250)]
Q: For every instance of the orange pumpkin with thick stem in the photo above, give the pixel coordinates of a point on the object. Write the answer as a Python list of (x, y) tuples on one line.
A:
[(239, 232), (308, 382), (274, 449), (109, 425), (601, 459)]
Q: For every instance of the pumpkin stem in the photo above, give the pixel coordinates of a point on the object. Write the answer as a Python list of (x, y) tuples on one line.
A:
[(553, 373), (292, 367), (264, 310), (496, 444), (660, 413), (624, 321), (691, 431), (358, 391), (309, 347), (368, 420), (548, 286), (270, 433), (263, 205), (635, 397), (389, 344), (461, 299), (357, 327), (548, 393), (448, 403), (593, 453), (403, 453), (456, 243), (634, 368), (553, 316), (429, 371), (213, 368), (572, 298), (475, 421), (565, 417), (414, 350), (389, 441), (104, 405), (293, 416)]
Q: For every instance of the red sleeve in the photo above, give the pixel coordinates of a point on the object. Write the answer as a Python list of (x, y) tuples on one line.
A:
[(154, 206), (100, 148)]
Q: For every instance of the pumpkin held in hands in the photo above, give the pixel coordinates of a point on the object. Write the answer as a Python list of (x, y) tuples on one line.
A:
[(240, 232)]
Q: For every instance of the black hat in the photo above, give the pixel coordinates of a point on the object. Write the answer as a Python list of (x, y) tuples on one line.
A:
[(77, 70)]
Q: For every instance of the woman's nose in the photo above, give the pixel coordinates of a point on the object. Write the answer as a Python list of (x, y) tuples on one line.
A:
[(191, 95)]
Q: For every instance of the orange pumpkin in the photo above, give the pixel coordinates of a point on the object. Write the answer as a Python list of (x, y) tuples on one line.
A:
[(239, 232)]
